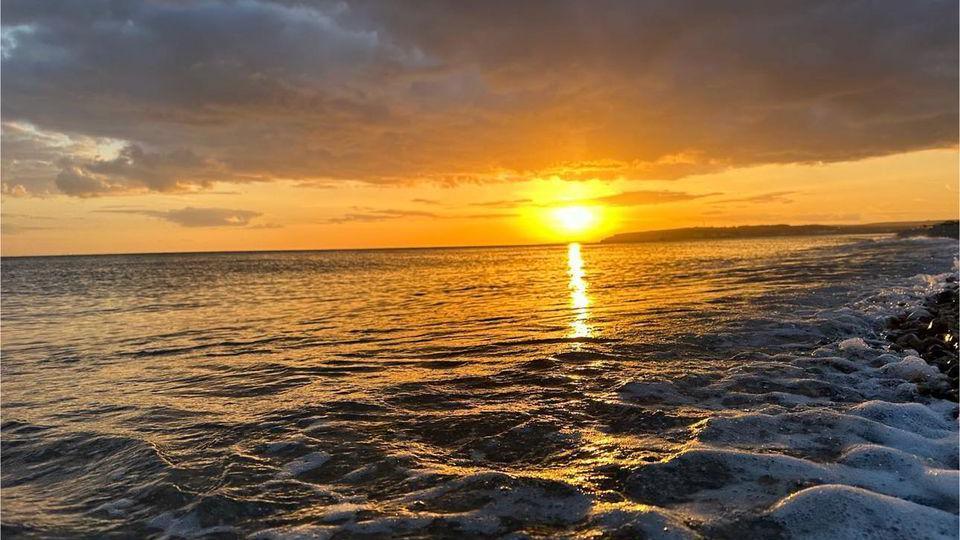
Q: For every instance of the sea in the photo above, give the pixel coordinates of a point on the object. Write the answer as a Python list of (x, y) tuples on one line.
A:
[(731, 388)]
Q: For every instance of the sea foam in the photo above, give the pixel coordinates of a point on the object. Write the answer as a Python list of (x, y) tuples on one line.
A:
[(834, 444)]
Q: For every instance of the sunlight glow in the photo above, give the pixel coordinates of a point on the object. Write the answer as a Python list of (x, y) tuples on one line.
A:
[(574, 219)]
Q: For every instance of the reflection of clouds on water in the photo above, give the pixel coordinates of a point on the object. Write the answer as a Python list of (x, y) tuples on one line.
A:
[(578, 293)]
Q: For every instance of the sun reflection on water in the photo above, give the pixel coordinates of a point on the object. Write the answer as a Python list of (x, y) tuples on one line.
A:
[(579, 301)]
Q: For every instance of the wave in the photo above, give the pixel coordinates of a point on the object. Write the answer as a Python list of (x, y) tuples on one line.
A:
[(792, 418), (831, 442)]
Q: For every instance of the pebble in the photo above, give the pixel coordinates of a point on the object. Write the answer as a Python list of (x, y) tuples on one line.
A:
[(930, 331)]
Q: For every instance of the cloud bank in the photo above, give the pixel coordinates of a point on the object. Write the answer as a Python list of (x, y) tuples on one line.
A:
[(107, 98)]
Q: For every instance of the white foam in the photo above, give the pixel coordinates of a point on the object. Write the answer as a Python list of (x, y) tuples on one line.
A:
[(305, 463), (303, 532), (115, 508), (500, 497), (186, 526), (340, 512), (843, 512), (821, 442), (853, 345), (911, 368), (653, 391), (640, 521), (914, 417)]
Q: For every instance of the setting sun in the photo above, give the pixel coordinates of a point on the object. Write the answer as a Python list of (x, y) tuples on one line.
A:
[(574, 219)]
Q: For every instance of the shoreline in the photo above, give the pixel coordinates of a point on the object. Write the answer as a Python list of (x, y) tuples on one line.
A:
[(855, 438), (930, 332)]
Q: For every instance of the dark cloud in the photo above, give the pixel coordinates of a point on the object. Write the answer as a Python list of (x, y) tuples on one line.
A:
[(639, 198), (195, 217), (134, 168), (384, 92), (31, 159)]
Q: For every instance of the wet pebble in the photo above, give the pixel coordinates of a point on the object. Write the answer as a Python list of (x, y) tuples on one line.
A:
[(932, 331)]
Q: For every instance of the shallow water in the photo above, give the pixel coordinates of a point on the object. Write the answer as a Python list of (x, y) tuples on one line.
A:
[(659, 389)]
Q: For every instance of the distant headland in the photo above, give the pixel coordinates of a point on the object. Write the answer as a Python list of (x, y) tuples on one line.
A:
[(947, 229)]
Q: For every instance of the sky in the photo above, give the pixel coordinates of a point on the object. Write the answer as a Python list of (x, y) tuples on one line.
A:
[(246, 125)]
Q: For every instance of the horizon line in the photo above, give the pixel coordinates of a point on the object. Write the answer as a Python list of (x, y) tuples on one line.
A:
[(469, 246)]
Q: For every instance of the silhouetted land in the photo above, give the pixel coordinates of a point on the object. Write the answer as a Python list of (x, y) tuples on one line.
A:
[(947, 229)]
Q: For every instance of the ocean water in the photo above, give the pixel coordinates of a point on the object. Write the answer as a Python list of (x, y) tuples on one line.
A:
[(665, 390)]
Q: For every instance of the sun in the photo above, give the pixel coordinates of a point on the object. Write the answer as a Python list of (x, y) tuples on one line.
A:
[(574, 219)]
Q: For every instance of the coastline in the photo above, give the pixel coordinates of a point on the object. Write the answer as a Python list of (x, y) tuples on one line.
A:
[(930, 229)]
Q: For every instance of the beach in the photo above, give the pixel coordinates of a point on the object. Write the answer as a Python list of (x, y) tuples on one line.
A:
[(755, 388)]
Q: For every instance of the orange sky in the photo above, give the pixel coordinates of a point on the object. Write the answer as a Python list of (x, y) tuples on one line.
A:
[(910, 186), (260, 125)]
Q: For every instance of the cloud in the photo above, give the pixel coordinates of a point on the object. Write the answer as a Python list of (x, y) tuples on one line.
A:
[(639, 198), (361, 214), (31, 158), (15, 228), (46, 162), (771, 197), (371, 214), (333, 91), (487, 215), (503, 203), (802, 218), (195, 217), (831, 217), (17, 223), (133, 169)]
